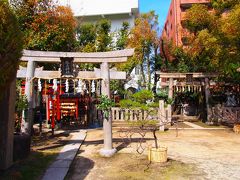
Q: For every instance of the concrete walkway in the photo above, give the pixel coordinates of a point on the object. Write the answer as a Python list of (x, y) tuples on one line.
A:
[(197, 127), (193, 125), (59, 169)]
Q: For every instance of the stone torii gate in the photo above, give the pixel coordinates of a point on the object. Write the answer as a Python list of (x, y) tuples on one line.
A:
[(104, 58), (201, 79), (32, 57)]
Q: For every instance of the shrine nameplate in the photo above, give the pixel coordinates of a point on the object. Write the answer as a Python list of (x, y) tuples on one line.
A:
[(67, 67)]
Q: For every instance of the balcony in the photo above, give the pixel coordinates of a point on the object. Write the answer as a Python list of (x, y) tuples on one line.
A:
[(188, 3), (194, 1)]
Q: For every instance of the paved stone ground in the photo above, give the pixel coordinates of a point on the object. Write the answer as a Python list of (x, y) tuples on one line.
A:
[(216, 153), (59, 168)]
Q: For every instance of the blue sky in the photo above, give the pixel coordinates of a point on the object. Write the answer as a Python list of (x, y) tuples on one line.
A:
[(160, 6)]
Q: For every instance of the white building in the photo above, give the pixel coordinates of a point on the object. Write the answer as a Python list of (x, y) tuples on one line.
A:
[(117, 11)]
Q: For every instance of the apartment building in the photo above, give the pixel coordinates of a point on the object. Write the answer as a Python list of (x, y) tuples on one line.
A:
[(173, 29)]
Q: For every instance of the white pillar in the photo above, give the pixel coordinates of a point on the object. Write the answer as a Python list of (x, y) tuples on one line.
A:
[(108, 149), (27, 123)]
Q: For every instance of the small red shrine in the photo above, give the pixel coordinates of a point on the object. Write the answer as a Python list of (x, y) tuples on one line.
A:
[(60, 106)]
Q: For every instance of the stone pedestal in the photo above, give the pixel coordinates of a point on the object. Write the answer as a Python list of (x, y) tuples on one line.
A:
[(7, 112), (21, 146)]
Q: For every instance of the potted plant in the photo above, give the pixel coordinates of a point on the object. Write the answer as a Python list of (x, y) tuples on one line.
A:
[(141, 101)]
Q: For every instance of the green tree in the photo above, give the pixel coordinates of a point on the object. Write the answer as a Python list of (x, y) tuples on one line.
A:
[(222, 5), (104, 38), (183, 61), (122, 43), (198, 18), (205, 52), (123, 36), (86, 37), (10, 47), (230, 30)]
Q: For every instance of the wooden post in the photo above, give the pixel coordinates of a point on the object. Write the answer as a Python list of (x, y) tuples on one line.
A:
[(122, 115), (207, 95), (108, 149), (27, 123), (117, 114), (144, 115), (170, 96), (131, 115), (127, 115), (7, 111), (141, 115), (169, 111), (113, 114)]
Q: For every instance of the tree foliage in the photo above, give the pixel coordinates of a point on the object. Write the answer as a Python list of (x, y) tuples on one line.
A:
[(104, 38), (11, 45), (46, 25), (122, 43), (138, 100), (123, 35), (105, 105), (86, 37), (144, 39), (198, 18), (222, 5)]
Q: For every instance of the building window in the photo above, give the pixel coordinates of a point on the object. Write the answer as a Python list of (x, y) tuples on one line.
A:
[(170, 12)]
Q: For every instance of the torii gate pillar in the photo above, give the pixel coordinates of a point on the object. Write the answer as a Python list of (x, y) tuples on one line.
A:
[(27, 123), (108, 149)]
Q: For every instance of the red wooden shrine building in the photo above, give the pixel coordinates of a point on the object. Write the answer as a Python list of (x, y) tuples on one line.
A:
[(76, 106)]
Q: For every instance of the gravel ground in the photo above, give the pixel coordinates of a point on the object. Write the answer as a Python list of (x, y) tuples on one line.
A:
[(194, 154)]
